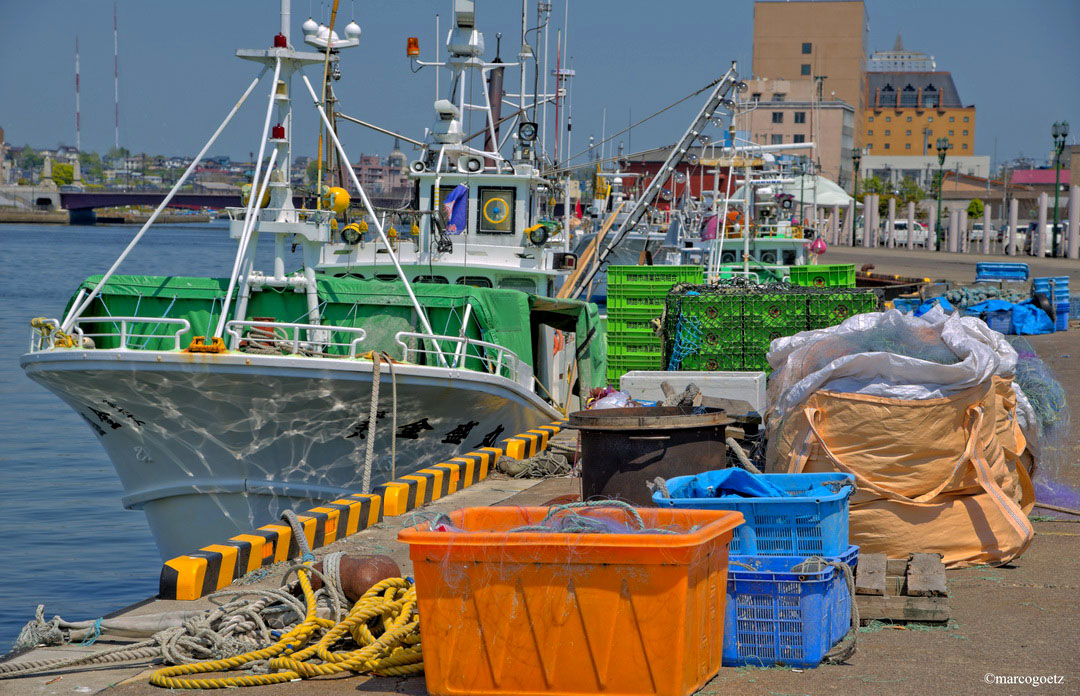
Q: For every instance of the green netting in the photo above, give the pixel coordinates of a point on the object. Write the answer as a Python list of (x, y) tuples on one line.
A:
[(382, 309)]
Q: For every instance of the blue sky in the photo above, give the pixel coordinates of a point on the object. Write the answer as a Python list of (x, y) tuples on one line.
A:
[(1016, 61)]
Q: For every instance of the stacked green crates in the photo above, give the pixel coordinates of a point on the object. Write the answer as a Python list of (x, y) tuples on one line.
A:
[(635, 297), (737, 325), (834, 307)]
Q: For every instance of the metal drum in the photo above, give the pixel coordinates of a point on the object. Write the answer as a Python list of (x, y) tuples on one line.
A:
[(623, 448)]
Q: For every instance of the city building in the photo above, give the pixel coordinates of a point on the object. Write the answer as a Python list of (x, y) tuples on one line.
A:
[(697, 178), (381, 177), (893, 168), (818, 41), (788, 112), (906, 112), (900, 59)]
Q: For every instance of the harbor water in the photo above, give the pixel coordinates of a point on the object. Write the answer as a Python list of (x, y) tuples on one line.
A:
[(68, 543)]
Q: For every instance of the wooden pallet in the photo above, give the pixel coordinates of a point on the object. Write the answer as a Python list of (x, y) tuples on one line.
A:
[(901, 589)]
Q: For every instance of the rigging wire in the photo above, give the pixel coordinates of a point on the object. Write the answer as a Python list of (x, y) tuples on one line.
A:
[(635, 125)]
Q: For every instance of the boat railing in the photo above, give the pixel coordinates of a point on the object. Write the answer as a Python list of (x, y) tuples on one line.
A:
[(302, 214), (496, 359), (127, 329), (276, 335)]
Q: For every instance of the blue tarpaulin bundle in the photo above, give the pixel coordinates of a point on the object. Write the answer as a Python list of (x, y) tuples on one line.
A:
[(929, 304), (733, 482), (1027, 319)]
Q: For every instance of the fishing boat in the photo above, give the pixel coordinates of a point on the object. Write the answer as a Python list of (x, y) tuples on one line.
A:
[(224, 401)]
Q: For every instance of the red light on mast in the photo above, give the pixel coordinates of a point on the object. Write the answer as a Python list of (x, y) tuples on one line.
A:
[(277, 132), (280, 41)]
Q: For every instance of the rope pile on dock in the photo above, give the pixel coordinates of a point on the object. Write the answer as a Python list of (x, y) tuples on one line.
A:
[(277, 635)]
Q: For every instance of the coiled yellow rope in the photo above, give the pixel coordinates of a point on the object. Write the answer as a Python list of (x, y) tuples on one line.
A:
[(390, 606)]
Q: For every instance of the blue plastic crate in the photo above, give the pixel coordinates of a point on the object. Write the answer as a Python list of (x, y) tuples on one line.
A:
[(1001, 271), (1061, 323), (1054, 287), (776, 616), (811, 521), (1000, 321), (907, 304)]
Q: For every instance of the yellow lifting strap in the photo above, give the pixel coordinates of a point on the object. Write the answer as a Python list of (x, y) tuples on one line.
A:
[(395, 651)]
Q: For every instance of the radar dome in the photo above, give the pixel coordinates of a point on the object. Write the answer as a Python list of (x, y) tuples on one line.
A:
[(309, 27), (352, 30)]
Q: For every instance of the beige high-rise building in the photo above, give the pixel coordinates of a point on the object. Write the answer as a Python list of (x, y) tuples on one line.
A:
[(822, 41), (787, 114)]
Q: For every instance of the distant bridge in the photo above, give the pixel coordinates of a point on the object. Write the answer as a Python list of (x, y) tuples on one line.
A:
[(88, 200)]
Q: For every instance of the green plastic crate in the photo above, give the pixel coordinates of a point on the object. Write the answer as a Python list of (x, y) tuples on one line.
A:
[(618, 365), (725, 361), (672, 275), (620, 344), (835, 276), (632, 320), (832, 309), (780, 309), (641, 326), (635, 302)]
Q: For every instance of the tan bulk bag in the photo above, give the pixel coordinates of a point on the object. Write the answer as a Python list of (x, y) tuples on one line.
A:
[(943, 475)]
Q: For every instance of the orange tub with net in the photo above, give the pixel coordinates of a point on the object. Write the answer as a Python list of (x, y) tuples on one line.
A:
[(506, 612)]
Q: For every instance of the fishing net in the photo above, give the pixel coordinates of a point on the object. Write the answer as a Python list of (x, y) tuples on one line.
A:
[(1052, 426), (587, 517), (730, 325)]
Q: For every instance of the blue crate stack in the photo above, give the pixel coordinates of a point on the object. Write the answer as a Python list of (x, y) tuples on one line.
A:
[(1001, 271), (776, 614)]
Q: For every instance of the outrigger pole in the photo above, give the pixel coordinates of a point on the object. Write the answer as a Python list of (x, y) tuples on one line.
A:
[(717, 99), (77, 312), (251, 213)]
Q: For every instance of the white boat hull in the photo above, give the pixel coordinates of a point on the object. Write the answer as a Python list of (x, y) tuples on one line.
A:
[(211, 446)]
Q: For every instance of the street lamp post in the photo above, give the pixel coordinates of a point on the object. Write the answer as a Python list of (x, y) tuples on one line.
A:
[(801, 168), (856, 158), (1059, 131), (943, 146)]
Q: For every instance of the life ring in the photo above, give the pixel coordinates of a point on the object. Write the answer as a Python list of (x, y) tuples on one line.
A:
[(559, 342), (496, 211)]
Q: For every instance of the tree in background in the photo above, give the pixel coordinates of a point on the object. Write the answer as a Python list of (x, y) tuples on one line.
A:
[(908, 191), (62, 173), (91, 165), (27, 158), (975, 209)]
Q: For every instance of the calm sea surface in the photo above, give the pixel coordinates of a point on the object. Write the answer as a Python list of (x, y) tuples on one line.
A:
[(67, 542)]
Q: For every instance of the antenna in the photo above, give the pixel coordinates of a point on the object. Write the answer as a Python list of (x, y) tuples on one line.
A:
[(116, 77), (78, 124)]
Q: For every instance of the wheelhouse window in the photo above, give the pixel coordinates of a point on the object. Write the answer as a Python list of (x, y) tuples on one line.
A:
[(522, 284), (475, 281), (496, 211)]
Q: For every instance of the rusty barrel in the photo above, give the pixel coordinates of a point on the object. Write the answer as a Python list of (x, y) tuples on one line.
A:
[(623, 448)]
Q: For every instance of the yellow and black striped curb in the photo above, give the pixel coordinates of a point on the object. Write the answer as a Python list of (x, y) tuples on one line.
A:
[(213, 567), (409, 492), (532, 441)]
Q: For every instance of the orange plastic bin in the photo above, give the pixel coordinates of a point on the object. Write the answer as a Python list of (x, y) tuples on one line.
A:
[(554, 613)]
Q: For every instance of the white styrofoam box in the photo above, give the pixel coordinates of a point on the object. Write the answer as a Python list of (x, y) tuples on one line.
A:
[(746, 386)]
